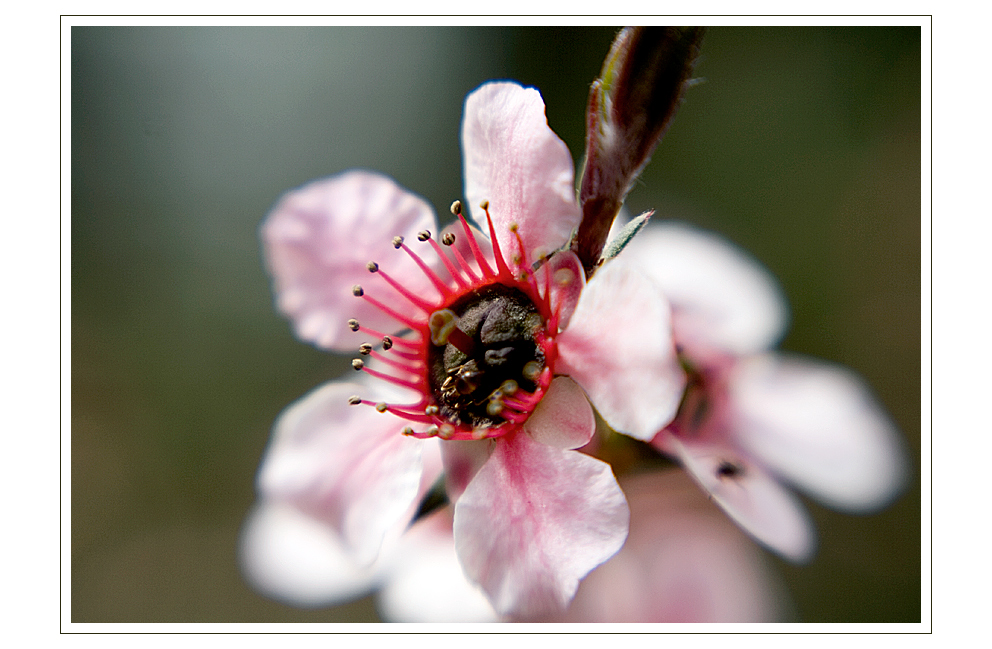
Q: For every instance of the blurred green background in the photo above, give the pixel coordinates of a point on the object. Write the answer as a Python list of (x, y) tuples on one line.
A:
[(802, 145)]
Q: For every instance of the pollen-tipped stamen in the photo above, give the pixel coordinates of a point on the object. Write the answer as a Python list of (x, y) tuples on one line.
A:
[(438, 283), (501, 266), (457, 276), (473, 245)]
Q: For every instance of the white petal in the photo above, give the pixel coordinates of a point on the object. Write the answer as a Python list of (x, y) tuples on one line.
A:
[(517, 163), (426, 582), (761, 506), (319, 238), (348, 465), (535, 520), (722, 299), (618, 347), (296, 559), (564, 417), (818, 426)]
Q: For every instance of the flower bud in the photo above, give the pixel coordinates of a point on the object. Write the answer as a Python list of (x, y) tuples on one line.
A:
[(640, 87)]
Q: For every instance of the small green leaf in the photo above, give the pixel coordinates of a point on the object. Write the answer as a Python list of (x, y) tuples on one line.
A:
[(614, 247)]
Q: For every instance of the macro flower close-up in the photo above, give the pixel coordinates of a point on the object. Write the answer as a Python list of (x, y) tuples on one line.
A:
[(497, 353), (520, 326)]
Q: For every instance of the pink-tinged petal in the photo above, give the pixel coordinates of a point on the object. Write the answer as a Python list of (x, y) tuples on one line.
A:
[(618, 347), (320, 237), (759, 504), (819, 427), (347, 465), (298, 560), (564, 418), (683, 561), (517, 163), (534, 521), (722, 299), (425, 581), (462, 460), (567, 280)]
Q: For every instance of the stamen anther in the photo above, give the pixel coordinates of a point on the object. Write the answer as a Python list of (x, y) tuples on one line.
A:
[(357, 290), (456, 208), (354, 400), (353, 325), (431, 410), (423, 235), (365, 349), (372, 266), (484, 205), (532, 369), (387, 343), (397, 242), (357, 364), (381, 407), (448, 238), (407, 430)]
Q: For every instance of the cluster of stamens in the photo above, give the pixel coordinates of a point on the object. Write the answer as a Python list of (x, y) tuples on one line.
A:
[(480, 355)]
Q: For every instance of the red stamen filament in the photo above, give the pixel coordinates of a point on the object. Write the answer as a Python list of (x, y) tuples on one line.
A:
[(416, 300), (431, 275), (447, 264), (474, 247)]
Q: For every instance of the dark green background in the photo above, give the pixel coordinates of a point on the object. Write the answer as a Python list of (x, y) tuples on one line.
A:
[(803, 145)]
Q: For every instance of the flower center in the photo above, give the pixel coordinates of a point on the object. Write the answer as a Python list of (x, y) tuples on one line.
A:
[(480, 354), (483, 350)]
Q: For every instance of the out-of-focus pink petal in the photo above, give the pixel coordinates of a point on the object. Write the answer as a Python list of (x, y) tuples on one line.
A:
[(618, 347), (347, 465), (567, 279), (683, 562), (534, 521), (760, 505), (425, 580), (564, 417), (819, 427), (517, 163), (319, 238), (299, 560), (462, 460), (722, 299)]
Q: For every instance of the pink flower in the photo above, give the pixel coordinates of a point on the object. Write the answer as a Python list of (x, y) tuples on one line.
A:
[(754, 420), (494, 346)]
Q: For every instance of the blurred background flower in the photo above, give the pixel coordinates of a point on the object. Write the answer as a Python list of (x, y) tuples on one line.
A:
[(802, 146)]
